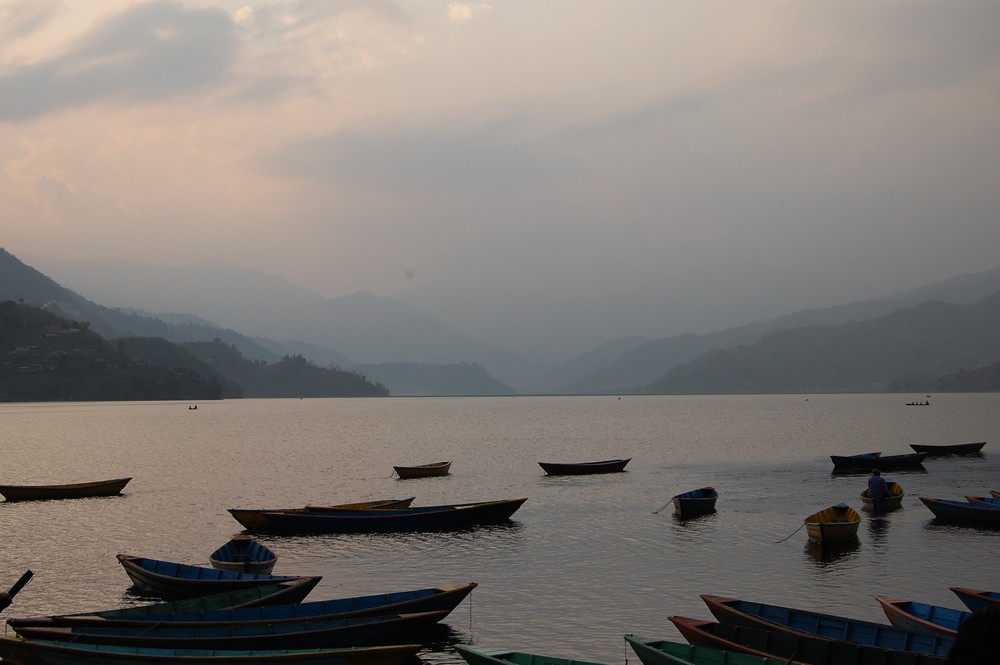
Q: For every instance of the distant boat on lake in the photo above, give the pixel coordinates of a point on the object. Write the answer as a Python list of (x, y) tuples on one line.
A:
[(584, 468)]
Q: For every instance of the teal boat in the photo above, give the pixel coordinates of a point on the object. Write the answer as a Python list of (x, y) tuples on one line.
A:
[(477, 656), (664, 652), (921, 617)]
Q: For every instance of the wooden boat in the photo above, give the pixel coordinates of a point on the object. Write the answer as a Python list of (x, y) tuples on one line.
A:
[(793, 648), (433, 599), (250, 518), (5, 600), (995, 494), (834, 525), (315, 634), (35, 652), (962, 512), (664, 652), (893, 502), (948, 449), (868, 461), (805, 622), (976, 600), (921, 617), (69, 491), (171, 580), (424, 470), (696, 502), (429, 518), (244, 554), (584, 468), (476, 656), (989, 501)]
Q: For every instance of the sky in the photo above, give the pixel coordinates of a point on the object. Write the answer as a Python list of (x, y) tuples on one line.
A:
[(652, 166)]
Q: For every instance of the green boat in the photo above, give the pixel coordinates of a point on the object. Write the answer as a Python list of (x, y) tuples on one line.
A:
[(476, 656), (664, 652)]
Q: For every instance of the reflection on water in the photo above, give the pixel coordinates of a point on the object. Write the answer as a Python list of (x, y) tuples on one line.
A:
[(824, 555)]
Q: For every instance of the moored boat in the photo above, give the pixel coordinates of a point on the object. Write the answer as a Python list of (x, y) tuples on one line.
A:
[(989, 501), (834, 525), (66, 491), (892, 502), (38, 652), (962, 512), (306, 634), (921, 617), (244, 554), (976, 600), (948, 449), (431, 470), (171, 580), (664, 652), (695, 502), (477, 656), (250, 518), (427, 518), (868, 461), (794, 647), (806, 622), (584, 468), (432, 599)]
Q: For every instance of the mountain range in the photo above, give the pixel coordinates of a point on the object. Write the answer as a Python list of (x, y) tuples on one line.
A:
[(396, 344)]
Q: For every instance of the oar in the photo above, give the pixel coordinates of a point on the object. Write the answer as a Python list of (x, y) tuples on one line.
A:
[(6, 598)]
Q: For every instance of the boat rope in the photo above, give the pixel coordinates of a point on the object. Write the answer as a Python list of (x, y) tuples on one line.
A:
[(471, 636), (791, 534), (657, 511)]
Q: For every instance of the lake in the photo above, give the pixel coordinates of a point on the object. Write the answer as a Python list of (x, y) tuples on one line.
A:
[(584, 561)]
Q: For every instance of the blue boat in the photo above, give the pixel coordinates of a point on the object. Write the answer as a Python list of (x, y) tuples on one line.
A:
[(664, 652), (400, 602), (245, 555), (962, 512), (988, 501), (318, 634), (806, 622), (976, 600), (794, 648), (171, 580), (921, 617), (696, 502), (429, 518), (16, 649)]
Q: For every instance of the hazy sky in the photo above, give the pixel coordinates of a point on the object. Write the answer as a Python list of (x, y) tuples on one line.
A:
[(725, 153)]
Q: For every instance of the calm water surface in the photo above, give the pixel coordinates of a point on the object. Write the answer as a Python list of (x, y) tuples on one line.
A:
[(584, 561)]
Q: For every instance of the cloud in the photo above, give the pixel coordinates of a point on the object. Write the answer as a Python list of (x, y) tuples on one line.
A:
[(22, 18), (147, 53), (465, 11)]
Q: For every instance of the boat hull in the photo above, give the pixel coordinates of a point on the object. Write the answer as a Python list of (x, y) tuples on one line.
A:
[(922, 617), (242, 554), (477, 656), (424, 470), (962, 512), (696, 502), (892, 502), (865, 463), (33, 652), (69, 491), (976, 600), (584, 468), (835, 525), (949, 449)]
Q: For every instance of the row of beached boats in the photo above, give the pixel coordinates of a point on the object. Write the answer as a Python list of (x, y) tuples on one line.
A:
[(754, 633)]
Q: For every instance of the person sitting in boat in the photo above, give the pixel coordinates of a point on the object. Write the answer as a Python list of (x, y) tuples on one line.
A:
[(975, 642), (877, 487)]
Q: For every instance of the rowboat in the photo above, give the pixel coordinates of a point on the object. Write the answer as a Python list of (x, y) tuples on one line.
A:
[(834, 525), (988, 501), (429, 518), (948, 449), (696, 502), (664, 652), (584, 468), (962, 512), (867, 461), (921, 617), (794, 648), (892, 502), (250, 518), (995, 494), (434, 599), (69, 491), (316, 634), (423, 470), (477, 656), (37, 652), (976, 600), (244, 554), (805, 622), (170, 580)]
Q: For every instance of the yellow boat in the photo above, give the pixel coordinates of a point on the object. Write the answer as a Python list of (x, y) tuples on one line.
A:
[(834, 525), (892, 502)]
